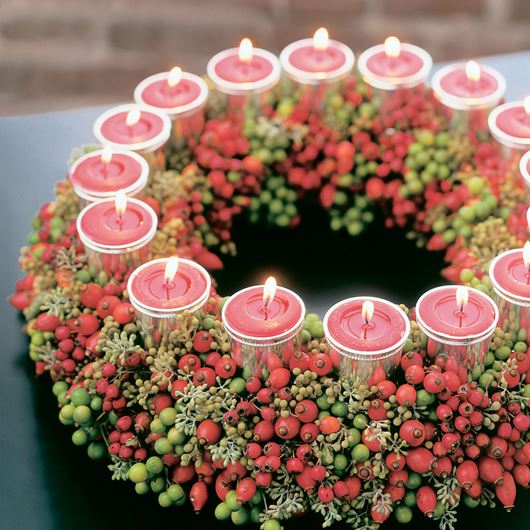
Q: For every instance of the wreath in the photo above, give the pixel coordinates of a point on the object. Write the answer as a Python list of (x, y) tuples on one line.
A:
[(183, 421)]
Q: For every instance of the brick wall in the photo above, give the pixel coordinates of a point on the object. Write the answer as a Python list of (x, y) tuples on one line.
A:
[(67, 53)]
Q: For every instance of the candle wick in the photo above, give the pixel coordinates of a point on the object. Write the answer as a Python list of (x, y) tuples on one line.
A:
[(120, 221), (166, 287)]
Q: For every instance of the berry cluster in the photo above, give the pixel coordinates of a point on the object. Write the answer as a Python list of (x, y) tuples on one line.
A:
[(186, 422)]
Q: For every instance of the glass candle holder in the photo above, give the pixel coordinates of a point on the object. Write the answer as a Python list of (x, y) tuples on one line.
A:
[(468, 93), (116, 239), (366, 336), (509, 124), (510, 277), (182, 95), (395, 67), (165, 301), (316, 68), (457, 324), (102, 173), (260, 328), (136, 128), (245, 76), (524, 173)]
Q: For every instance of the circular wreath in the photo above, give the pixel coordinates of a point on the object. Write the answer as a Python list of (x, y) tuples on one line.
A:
[(184, 422)]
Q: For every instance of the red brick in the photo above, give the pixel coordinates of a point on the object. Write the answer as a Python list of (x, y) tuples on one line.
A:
[(520, 9)]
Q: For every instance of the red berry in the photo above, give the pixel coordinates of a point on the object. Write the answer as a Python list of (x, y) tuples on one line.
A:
[(123, 313), (318, 473), (309, 432), (209, 432), (90, 294), (325, 494), (294, 465), (420, 460), (506, 490), (406, 395), (329, 425), (198, 495), (279, 377), (490, 470), (287, 428), (189, 363), (246, 489), (467, 473), (202, 341), (320, 364), (46, 322), (306, 410), (426, 500), (225, 367), (204, 376), (413, 432), (414, 374), (106, 305)]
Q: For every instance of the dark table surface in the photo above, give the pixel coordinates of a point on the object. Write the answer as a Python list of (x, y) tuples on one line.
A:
[(46, 482)]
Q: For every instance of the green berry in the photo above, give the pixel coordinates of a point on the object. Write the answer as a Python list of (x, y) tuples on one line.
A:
[(168, 415), (222, 512), (141, 488), (240, 517), (82, 415), (360, 453), (154, 465), (176, 492), (403, 514), (163, 446), (164, 500), (80, 397), (138, 473), (79, 437), (96, 450)]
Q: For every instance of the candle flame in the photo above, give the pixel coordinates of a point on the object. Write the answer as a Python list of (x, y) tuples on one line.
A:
[(392, 47), (472, 70), (174, 76), (269, 290), (367, 310), (321, 39), (246, 50), (172, 265), (120, 202), (526, 254), (526, 104), (462, 296), (106, 154), (133, 117)]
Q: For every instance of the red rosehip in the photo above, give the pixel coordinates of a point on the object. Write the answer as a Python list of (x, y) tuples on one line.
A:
[(413, 432), (329, 425), (406, 395), (225, 367), (294, 465), (263, 431), (123, 313), (90, 294), (434, 382), (420, 460), (209, 432), (198, 495), (490, 470), (467, 473), (204, 376), (287, 428), (506, 490), (426, 500), (202, 341), (320, 364), (46, 322), (414, 374), (246, 489), (106, 305), (309, 432), (306, 410), (278, 378), (325, 494)]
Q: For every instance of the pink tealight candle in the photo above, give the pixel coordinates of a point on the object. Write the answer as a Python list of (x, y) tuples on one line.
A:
[(509, 273), (136, 128), (263, 321), (102, 173), (394, 65), (509, 124), (469, 92), (457, 323), (181, 95), (245, 75), (366, 336), (316, 67), (165, 293), (116, 233)]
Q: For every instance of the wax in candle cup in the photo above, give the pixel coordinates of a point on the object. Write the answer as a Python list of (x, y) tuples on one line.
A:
[(260, 331), (363, 345), (509, 124), (407, 68), (245, 76), (165, 303), (469, 92), (510, 277), (136, 128), (116, 242), (181, 95), (102, 173), (457, 324), (316, 68), (524, 172)]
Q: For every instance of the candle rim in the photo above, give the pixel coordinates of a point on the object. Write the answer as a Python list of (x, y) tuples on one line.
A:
[(169, 312), (451, 338), (467, 103), (524, 167), (393, 83), (314, 78), (253, 340), (180, 110), (88, 195), (360, 354), (499, 289), (117, 249), (237, 89), (152, 144), (507, 139)]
